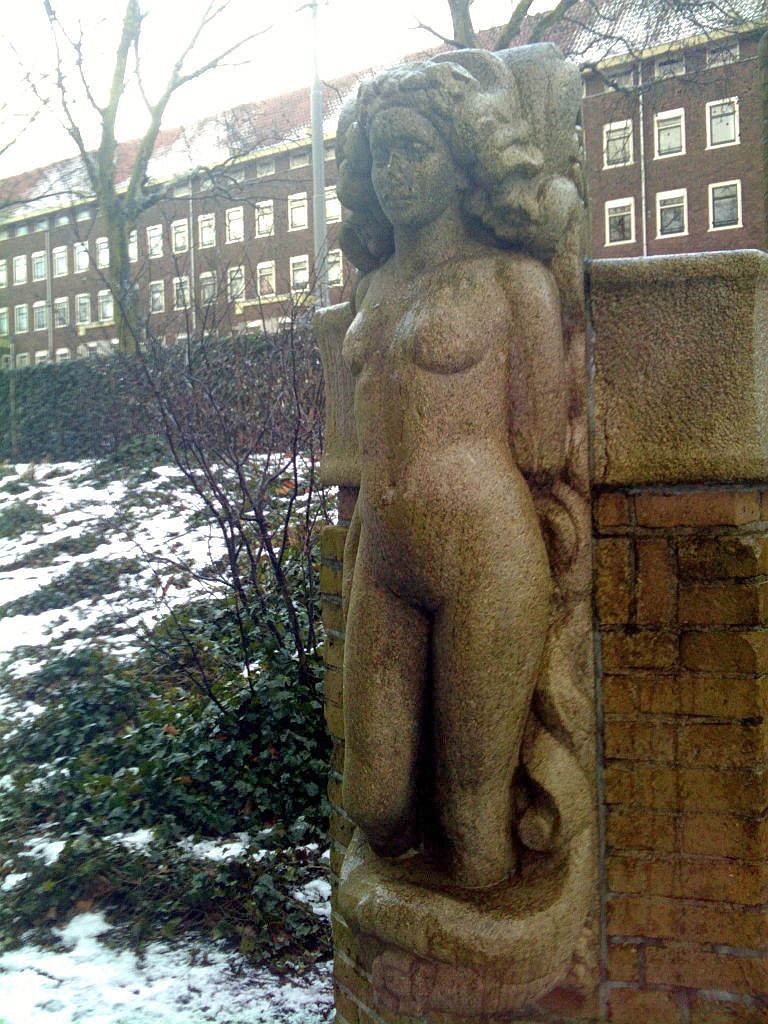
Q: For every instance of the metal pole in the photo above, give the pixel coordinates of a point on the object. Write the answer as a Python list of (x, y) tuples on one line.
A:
[(762, 51), (12, 403), (318, 174)]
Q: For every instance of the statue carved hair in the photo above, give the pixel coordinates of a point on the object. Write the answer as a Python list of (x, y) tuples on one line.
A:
[(511, 121)]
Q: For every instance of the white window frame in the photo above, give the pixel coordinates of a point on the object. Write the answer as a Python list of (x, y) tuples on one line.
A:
[(265, 167), (60, 304), (266, 269), (3, 273), (617, 204), (157, 288), (180, 235), (19, 320), (39, 316), (335, 268), (332, 205), (155, 241), (105, 306), (723, 53), (82, 304), (207, 286), (133, 245), (295, 263), (206, 223), (20, 276), (81, 257), (22, 359), (102, 252), (41, 356), (39, 265), (181, 291), (235, 224), (264, 218), (671, 65), (59, 260), (63, 355), (668, 115), (4, 322), (297, 204), (711, 207), (298, 158), (236, 284), (626, 129), (736, 130), (673, 193)]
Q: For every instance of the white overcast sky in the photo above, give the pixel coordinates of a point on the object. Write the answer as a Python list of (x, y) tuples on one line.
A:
[(354, 34)]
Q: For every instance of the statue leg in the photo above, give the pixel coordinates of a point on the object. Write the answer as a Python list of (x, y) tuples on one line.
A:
[(385, 664), (488, 646)]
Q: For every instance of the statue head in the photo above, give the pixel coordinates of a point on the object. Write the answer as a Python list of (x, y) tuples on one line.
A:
[(510, 122)]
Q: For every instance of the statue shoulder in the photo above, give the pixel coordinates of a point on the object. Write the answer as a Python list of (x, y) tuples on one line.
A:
[(527, 281)]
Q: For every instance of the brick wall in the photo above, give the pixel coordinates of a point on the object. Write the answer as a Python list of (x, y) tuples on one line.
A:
[(680, 597), (681, 602)]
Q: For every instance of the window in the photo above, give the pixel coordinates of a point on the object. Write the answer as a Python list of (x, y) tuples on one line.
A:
[(669, 133), (21, 230), (4, 322), (61, 312), (234, 219), (723, 53), (82, 308), (617, 144), (41, 225), (299, 159), (155, 241), (297, 211), (80, 257), (299, 273), (181, 293), (157, 296), (624, 79), (236, 284), (41, 356), (63, 355), (60, 261), (725, 205), (5, 234), (206, 227), (332, 205), (3, 273), (335, 274), (83, 215), (105, 305), (265, 167), (672, 213), (21, 318), (19, 269), (207, 287), (22, 359), (330, 152), (180, 235), (39, 268), (102, 253), (619, 221), (669, 66), (62, 220), (265, 218), (723, 122), (133, 245), (39, 316), (265, 278)]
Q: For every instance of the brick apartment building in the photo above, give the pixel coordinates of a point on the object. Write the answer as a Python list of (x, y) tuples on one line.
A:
[(673, 143)]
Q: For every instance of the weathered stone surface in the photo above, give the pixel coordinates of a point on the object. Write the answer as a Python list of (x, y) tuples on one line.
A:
[(681, 368), (468, 717)]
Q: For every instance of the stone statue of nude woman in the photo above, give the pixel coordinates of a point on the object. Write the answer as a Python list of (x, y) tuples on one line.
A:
[(467, 631)]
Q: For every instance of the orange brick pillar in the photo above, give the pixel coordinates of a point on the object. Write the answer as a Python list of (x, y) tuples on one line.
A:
[(681, 601)]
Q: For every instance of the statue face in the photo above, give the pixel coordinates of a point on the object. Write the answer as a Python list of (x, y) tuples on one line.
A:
[(413, 173)]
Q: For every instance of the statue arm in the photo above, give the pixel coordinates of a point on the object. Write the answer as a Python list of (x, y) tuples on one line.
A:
[(538, 376), (339, 465)]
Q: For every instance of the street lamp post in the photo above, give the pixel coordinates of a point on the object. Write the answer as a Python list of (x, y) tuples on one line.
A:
[(318, 172)]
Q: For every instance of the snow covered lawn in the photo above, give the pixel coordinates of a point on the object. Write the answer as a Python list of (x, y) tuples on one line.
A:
[(82, 518)]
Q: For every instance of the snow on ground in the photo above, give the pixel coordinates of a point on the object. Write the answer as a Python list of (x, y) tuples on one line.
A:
[(87, 982), (93, 984)]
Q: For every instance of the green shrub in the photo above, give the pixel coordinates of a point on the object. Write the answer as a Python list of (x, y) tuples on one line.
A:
[(20, 517), (83, 581)]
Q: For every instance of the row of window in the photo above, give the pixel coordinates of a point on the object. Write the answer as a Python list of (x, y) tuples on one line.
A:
[(722, 126), (234, 229), (265, 281), (724, 203), (61, 355), (671, 64)]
